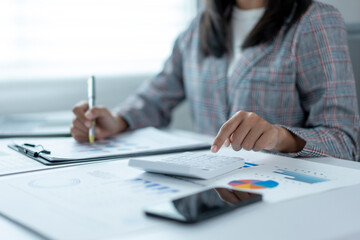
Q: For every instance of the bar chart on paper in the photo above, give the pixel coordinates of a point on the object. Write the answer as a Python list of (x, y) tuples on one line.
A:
[(279, 172), (140, 184), (301, 176), (280, 178), (273, 177), (249, 164)]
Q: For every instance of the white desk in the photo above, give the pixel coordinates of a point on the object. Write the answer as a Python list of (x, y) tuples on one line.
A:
[(328, 215)]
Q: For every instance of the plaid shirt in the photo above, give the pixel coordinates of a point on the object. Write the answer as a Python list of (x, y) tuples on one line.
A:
[(302, 81)]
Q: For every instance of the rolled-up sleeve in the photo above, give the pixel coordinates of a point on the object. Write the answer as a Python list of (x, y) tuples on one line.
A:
[(326, 85)]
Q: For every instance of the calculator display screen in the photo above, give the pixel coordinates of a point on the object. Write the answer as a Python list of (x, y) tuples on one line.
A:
[(203, 205)]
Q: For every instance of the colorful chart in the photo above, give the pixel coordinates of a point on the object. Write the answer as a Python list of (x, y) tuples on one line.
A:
[(253, 184)]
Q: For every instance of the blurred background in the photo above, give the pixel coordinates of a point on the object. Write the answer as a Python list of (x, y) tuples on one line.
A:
[(48, 48)]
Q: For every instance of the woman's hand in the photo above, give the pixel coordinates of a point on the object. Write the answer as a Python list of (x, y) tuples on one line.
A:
[(249, 131), (107, 124)]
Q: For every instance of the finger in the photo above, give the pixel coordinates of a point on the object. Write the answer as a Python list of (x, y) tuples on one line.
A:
[(84, 132), (227, 142), (266, 141), (253, 121), (80, 108), (100, 133), (236, 147), (96, 112), (239, 135), (80, 125), (243, 129), (78, 135), (83, 120), (252, 137), (226, 130), (79, 112)]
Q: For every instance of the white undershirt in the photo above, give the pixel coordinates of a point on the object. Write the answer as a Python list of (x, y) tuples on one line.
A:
[(242, 23)]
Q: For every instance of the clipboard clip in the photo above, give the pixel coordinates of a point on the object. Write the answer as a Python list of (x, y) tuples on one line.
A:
[(32, 153)]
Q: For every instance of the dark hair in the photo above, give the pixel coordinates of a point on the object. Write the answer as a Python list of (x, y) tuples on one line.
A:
[(215, 33)]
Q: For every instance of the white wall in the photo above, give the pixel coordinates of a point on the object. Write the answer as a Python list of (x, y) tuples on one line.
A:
[(350, 9)]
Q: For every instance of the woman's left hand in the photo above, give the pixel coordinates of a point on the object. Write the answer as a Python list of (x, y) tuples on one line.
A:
[(249, 131)]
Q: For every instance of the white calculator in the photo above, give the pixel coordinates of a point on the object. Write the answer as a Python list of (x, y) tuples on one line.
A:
[(190, 164)]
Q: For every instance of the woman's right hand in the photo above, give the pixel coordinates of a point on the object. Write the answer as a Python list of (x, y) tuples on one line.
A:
[(107, 124)]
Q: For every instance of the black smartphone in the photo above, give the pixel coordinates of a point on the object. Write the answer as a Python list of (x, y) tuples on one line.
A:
[(202, 205)]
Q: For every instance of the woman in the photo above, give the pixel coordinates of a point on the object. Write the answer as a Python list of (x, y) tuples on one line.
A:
[(264, 75)]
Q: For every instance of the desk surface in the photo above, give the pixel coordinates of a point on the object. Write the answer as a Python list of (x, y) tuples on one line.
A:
[(328, 215)]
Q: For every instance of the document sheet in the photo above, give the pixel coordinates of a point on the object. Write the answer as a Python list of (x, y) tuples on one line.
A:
[(95, 201), (106, 199), (280, 178), (13, 162)]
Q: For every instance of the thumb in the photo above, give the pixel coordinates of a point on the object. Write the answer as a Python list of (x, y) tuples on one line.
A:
[(96, 112)]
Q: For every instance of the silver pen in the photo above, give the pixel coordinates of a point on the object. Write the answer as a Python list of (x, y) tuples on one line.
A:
[(91, 102)]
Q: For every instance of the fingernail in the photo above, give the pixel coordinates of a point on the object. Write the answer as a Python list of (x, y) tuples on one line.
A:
[(214, 148), (88, 124)]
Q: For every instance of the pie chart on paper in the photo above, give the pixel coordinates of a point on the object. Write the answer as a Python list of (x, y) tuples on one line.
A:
[(253, 184)]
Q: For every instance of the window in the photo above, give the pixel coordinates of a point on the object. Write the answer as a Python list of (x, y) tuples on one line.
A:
[(42, 39)]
